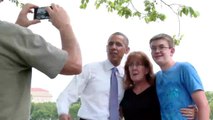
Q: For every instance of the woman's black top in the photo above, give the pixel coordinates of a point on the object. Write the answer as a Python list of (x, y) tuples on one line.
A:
[(144, 106)]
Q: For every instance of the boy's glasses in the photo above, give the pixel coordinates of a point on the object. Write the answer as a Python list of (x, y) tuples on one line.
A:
[(160, 48)]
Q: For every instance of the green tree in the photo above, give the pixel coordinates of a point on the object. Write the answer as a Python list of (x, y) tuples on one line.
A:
[(48, 111), (209, 95), (43, 111), (74, 110)]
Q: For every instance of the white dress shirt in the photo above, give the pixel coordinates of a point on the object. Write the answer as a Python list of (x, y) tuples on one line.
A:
[(92, 86)]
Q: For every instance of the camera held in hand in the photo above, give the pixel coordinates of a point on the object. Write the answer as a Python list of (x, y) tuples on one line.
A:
[(40, 13)]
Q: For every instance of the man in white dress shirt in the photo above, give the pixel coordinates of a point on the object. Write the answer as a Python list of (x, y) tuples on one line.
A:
[(93, 84)]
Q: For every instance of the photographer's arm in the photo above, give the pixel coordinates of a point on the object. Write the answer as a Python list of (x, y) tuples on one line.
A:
[(61, 21)]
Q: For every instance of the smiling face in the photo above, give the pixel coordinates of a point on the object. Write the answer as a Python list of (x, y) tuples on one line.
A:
[(116, 48), (162, 49), (161, 52)]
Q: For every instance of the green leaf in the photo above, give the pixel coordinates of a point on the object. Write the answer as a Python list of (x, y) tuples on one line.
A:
[(177, 39), (162, 17)]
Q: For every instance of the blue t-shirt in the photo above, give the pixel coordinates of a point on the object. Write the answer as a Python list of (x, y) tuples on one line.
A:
[(174, 89)]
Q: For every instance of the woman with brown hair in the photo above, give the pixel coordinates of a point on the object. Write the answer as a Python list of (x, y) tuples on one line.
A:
[(140, 101)]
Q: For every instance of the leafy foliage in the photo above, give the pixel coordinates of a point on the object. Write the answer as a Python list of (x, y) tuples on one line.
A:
[(48, 111), (43, 111), (209, 96), (74, 110), (149, 12), (177, 39), (188, 10), (19, 4)]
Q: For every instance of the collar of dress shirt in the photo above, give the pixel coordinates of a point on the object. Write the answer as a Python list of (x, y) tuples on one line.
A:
[(108, 66)]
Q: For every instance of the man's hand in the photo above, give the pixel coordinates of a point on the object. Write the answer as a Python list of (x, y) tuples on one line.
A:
[(58, 16), (190, 112), (65, 117), (22, 19)]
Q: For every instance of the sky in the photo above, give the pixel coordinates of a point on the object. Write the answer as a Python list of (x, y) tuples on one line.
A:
[(93, 27)]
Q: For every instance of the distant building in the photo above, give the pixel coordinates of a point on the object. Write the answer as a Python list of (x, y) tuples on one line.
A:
[(40, 95)]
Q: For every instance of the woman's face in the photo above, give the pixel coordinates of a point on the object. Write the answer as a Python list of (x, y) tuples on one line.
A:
[(137, 71)]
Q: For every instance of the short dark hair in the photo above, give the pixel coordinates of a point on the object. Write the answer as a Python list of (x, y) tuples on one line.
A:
[(119, 33)]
